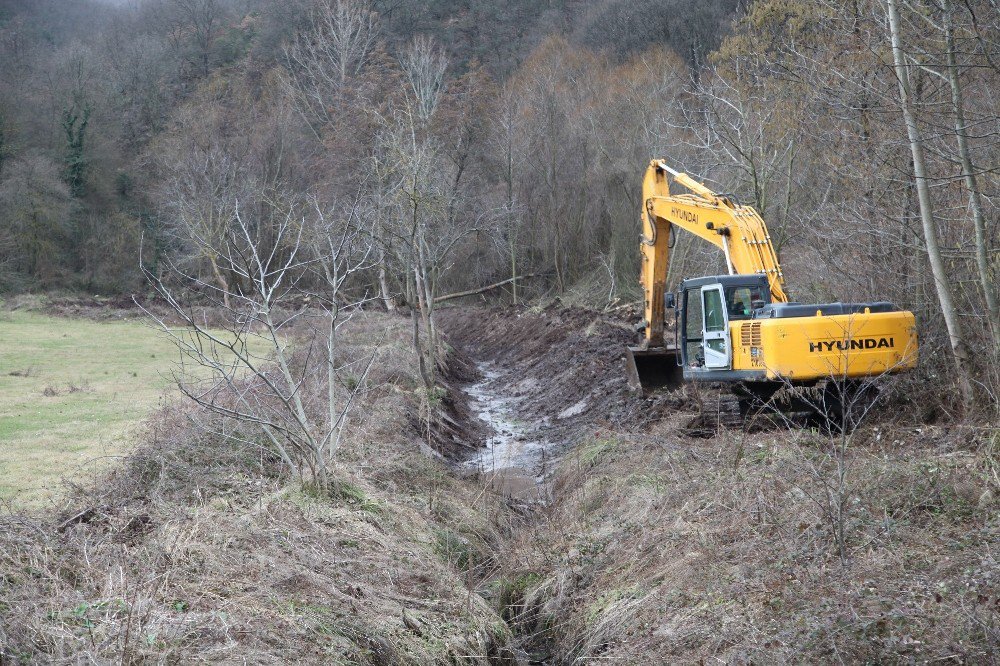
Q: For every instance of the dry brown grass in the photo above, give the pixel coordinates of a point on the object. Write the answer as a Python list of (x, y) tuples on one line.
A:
[(199, 550), (742, 548), (661, 549), (656, 549)]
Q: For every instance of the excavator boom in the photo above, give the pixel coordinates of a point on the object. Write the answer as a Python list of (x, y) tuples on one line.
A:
[(736, 230)]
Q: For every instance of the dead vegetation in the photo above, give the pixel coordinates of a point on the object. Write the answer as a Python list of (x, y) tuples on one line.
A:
[(201, 549), (767, 547), (660, 549), (53, 391), (756, 547)]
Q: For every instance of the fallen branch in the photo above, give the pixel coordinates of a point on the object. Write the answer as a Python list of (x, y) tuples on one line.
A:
[(473, 292), (623, 306)]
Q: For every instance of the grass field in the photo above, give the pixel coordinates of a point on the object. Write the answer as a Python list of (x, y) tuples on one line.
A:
[(73, 395)]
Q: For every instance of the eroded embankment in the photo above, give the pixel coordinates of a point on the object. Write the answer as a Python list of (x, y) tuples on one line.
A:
[(764, 547), (539, 382)]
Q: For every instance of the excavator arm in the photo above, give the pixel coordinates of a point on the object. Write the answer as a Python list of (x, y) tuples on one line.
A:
[(737, 230)]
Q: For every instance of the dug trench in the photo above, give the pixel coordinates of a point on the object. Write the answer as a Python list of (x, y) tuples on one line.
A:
[(527, 386), (527, 389), (636, 542)]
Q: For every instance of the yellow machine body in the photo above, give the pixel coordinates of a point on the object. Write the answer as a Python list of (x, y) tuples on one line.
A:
[(804, 349)]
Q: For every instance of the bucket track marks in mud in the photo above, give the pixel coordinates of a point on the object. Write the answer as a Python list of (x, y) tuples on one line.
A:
[(541, 382)]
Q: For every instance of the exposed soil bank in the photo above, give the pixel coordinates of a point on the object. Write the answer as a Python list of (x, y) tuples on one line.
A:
[(544, 381)]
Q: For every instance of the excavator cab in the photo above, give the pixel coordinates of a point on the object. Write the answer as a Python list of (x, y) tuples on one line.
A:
[(705, 308), (702, 348)]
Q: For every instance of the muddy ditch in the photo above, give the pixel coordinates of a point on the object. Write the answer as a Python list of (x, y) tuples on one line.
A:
[(630, 559), (524, 387), (527, 385)]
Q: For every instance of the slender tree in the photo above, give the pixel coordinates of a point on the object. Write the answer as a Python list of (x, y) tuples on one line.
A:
[(969, 171), (942, 280)]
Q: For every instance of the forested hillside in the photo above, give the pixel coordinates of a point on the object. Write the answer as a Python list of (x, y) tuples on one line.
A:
[(102, 102), (321, 326), (507, 139)]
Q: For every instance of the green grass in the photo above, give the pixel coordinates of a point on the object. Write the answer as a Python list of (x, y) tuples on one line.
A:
[(89, 387)]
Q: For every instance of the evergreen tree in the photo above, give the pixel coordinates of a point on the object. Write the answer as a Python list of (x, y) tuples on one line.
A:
[(74, 124)]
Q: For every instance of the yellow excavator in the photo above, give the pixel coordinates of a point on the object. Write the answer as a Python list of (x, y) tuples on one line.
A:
[(740, 329)]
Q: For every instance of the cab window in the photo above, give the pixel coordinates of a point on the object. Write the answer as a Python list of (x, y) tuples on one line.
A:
[(715, 318), (740, 301), (693, 318)]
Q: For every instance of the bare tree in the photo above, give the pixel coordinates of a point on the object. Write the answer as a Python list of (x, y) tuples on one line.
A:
[(410, 172), (424, 64), (747, 134), (36, 206), (194, 26), (322, 60), (136, 71), (200, 193), (343, 247), (942, 280), (968, 170), (327, 75), (506, 145), (248, 368)]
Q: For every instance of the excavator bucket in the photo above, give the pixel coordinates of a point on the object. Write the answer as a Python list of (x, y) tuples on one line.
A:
[(649, 370)]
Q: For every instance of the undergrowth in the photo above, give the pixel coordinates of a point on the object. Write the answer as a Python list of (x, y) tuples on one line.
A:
[(196, 548), (660, 548)]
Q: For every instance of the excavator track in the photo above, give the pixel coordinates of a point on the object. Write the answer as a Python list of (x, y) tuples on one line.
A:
[(720, 409), (833, 408)]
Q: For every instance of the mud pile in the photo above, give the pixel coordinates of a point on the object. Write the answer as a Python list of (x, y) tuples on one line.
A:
[(549, 377)]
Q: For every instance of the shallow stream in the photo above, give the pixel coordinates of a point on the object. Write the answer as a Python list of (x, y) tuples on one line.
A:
[(516, 454)]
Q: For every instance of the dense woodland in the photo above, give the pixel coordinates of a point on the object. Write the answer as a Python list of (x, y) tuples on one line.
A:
[(473, 142)]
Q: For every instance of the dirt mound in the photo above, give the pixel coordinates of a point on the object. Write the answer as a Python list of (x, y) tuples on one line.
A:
[(562, 369)]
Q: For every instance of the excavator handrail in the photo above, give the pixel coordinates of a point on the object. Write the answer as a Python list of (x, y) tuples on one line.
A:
[(687, 181)]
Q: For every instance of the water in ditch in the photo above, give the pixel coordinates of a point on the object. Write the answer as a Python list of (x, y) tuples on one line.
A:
[(515, 456)]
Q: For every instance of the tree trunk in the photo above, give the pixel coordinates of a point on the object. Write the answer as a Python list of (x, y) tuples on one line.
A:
[(418, 348), (513, 268), (428, 346), (223, 285), (383, 285), (426, 280), (512, 236), (969, 175), (959, 347), (482, 290), (331, 369)]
